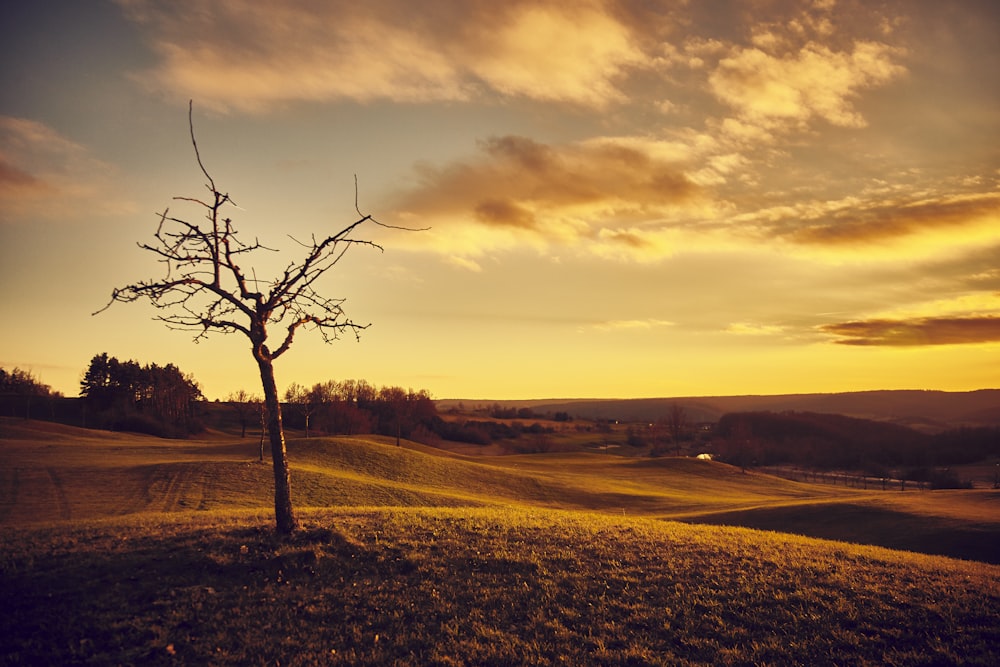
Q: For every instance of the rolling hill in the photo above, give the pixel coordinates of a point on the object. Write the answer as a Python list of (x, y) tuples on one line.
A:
[(125, 549), (51, 472)]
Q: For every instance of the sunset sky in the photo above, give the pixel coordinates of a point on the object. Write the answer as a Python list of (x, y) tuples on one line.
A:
[(625, 199)]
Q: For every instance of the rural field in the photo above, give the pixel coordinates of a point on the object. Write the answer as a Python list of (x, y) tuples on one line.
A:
[(126, 549)]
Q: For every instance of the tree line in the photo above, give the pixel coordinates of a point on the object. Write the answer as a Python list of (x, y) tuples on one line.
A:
[(498, 411), (348, 407), (353, 407), (19, 382), (838, 442), (24, 395), (153, 399)]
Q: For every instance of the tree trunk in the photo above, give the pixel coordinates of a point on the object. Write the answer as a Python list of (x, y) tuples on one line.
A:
[(283, 514)]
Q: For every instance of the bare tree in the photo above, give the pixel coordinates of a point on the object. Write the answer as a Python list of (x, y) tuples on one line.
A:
[(206, 289), (245, 405), (676, 424), (396, 406), (303, 400)]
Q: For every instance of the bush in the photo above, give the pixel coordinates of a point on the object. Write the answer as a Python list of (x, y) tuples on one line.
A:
[(469, 432), (948, 479)]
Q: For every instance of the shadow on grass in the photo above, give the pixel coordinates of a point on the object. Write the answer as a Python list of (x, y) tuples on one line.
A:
[(865, 524), (178, 598)]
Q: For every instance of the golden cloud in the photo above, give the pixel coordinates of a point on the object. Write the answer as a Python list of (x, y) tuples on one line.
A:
[(917, 332), (567, 192), (251, 55), (517, 57), (859, 224), (813, 81)]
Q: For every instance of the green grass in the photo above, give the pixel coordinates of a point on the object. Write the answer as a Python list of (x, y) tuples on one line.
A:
[(121, 549)]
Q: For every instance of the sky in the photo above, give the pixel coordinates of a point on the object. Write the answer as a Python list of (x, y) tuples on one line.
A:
[(624, 198)]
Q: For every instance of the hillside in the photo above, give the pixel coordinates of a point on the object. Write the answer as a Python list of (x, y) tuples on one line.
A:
[(125, 549), (931, 410), (479, 586), (52, 472)]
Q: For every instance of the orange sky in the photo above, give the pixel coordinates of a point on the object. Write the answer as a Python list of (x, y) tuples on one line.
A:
[(626, 199)]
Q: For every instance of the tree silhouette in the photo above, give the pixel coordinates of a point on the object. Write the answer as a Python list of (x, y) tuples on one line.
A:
[(206, 289), (676, 424), (245, 405), (306, 401)]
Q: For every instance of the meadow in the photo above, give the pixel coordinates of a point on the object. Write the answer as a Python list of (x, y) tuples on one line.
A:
[(125, 549)]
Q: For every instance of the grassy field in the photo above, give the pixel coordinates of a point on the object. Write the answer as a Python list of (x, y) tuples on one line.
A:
[(120, 549)]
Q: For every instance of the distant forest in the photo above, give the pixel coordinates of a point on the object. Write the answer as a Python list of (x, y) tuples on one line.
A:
[(836, 442), (351, 407)]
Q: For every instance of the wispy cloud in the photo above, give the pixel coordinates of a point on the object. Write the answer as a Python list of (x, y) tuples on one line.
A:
[(14, 179), (251, 56), (857, 222), (754, 329), (465, 263), (917, 332), (45, 175), (647, 324), (737, 97)]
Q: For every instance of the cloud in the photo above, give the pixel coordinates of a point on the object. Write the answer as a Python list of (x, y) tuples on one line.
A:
[(519, 190), (754, 329), (45, 175), (466, 263), (632, 325), (251, 55), (917, 332), (12, 178), (812, 82), (519, 57), (857, 223), (908, 224)]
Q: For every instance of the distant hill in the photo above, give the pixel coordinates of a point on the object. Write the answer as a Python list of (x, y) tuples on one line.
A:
[(922, 410)]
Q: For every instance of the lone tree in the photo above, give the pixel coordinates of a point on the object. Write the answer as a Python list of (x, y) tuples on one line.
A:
[(205, 288), (245, 405), (676, 424)]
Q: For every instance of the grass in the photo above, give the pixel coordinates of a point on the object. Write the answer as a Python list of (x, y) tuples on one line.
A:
[(51, 472), (412, 586), (120, 549), (950, 523)]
